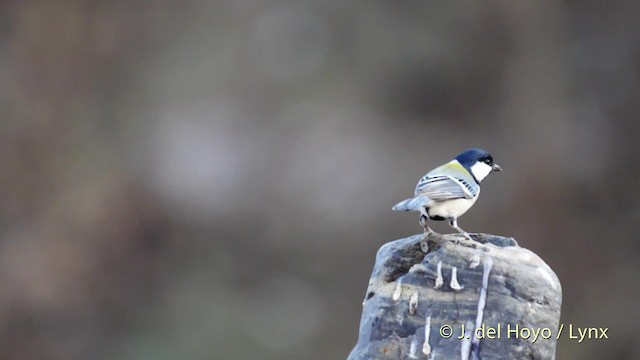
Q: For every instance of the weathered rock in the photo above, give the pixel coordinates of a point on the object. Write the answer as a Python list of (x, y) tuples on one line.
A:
[(492, 286)]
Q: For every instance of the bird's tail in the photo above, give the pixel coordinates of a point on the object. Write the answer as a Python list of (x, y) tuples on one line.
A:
[(412, 204)]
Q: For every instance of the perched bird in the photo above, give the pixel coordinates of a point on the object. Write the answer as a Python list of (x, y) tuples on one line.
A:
[(448, 191)]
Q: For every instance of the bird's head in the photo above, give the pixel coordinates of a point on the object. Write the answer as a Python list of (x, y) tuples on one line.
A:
[(478, 162)]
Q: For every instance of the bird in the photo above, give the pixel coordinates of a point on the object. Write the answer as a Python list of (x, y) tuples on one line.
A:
[(448, 191)]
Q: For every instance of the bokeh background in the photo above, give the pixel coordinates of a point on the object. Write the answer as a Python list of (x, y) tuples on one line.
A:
[(212, 179)]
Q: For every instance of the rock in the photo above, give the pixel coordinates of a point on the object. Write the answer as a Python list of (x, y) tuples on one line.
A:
[(505, 296)]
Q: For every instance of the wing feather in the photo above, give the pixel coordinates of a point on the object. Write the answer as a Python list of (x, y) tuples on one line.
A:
[(445, 187)]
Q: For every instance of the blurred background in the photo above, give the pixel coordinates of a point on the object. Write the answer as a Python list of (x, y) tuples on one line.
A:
[(212, 179)]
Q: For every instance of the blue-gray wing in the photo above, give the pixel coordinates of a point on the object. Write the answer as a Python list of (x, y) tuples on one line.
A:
[(445, 187)]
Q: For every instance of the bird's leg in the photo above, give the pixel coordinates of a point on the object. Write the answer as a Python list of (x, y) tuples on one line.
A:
[(423, 223), (454, 224), (427, 231)]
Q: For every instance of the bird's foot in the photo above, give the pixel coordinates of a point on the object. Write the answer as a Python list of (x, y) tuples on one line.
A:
[(457, 240), (467, 236), (426, 236)]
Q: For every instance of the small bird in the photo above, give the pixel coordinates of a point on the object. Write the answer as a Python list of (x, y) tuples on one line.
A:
[(448, 191)]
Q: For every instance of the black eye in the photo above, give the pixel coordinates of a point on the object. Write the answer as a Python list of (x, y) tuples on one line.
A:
[(488, 161)]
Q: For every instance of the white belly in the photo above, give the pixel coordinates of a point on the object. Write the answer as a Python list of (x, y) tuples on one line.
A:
[(452, 208)]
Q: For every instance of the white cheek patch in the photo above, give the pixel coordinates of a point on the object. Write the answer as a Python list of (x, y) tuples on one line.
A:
[(480, 170)]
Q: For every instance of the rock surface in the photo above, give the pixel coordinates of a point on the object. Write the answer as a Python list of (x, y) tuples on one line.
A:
[(492, 286)]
